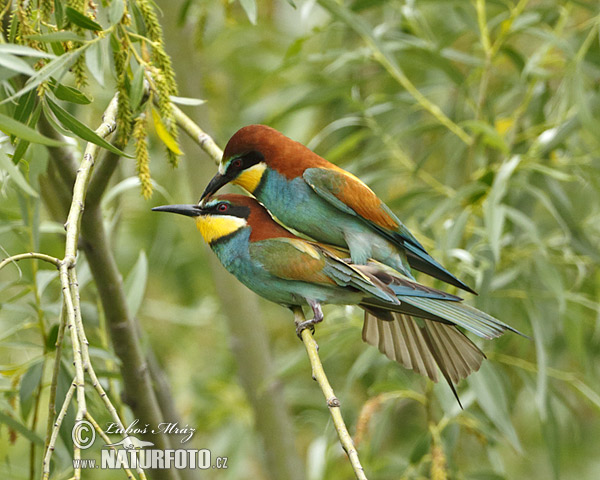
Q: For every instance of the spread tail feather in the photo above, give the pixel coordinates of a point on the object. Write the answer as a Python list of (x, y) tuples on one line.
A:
[(422, 347)]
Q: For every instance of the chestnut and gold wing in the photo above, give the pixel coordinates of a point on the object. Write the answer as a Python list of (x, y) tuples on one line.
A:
[(297, 259), (349, 194)]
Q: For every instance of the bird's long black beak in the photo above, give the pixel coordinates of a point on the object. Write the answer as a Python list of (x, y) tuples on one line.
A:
[(213, 186), (188, 210)]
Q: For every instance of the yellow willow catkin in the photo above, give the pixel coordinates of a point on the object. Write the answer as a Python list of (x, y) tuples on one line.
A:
[(124, 113), (140, 134), (46, 8), (438, 463), (161, 60)]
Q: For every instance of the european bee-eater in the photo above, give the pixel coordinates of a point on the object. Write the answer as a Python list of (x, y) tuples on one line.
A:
[(316, 198), (291, 271)]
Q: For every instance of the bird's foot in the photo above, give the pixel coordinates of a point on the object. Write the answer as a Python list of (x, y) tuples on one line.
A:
[(307, 324)]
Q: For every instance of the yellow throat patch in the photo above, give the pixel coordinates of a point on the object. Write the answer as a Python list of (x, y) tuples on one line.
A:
[(213, 227), (250, 178)]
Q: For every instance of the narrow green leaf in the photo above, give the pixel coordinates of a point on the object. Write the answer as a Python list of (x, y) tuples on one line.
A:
[(187, 101), (70, 94), (25, 107), (135, 284), (163, 134), (15, 174), (65, 378), (137, 88), (24, 51), (29, 384), (81, 130), (22, 145), (51, 338), (82, 20), (15, 64), (59, 14), (490, 135), (20, 428), (249, 7), (20, 130), (61, 36), (420, 449)]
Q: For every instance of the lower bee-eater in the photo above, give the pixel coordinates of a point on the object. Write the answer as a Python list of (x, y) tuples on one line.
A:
[(292, 272)]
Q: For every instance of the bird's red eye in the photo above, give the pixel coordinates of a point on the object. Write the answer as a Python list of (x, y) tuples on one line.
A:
[(237, 163), (222, 207)]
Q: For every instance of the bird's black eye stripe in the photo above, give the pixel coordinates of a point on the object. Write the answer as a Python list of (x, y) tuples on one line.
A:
[(245, 161), (226, 208)]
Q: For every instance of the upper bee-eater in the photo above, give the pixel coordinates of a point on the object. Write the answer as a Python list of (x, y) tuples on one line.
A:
[(316, 198), (295, 272)]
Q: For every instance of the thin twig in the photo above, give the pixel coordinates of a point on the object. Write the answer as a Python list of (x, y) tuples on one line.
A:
[(198, 135), (29, 255), (55, 430), (107, 441), (55, 373), (312, 349)]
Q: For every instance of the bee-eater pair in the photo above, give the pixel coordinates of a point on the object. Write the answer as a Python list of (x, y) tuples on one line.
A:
[(409, 322)]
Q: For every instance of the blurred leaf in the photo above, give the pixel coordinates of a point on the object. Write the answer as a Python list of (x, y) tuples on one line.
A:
[(65, 379), (94, 59), (491, 397), (15, 49), (15, 63), (551, 434), (56, 67), (81, 130), (15, 174), (82, 20), (316, 458), (491, 136), (485, 476), (20, 428), (249, 7), (132, 183), (56, 37), (52, 337), (135, 284), (494, 212), (28, 387), (194, 102), (137, 88), (115, 11), (420, 449)]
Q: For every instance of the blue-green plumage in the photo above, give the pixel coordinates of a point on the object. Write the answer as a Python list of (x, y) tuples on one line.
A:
[(295, 204)]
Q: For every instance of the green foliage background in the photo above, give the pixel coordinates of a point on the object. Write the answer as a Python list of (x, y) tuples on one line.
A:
[(476, 121)]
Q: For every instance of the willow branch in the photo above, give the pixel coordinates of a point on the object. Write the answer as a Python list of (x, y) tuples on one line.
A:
[(312, 349)]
